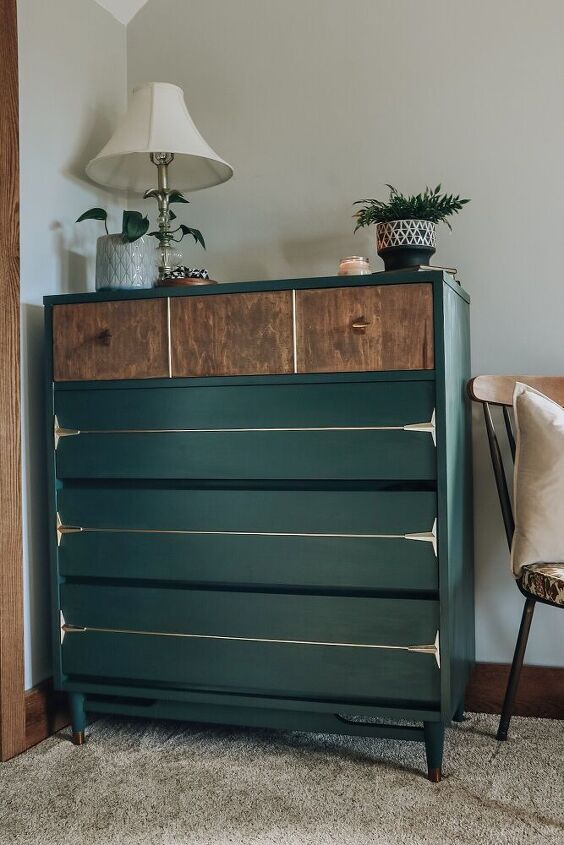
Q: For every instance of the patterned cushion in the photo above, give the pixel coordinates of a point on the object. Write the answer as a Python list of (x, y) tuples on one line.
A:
[(545, 581)]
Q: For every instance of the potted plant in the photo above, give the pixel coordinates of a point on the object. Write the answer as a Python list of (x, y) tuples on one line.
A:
[(405, 225), (129, 258)]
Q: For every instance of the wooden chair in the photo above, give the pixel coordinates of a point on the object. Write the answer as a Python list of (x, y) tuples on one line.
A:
[(542, 582)]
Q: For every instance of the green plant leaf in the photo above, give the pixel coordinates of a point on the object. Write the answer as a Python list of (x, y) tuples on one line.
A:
[(177, 196), (93, 214), (429, 205), (171, 214), (134, 226), (196, 234)]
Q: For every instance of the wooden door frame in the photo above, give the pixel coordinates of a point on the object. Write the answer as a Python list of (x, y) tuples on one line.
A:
[(12, 699)]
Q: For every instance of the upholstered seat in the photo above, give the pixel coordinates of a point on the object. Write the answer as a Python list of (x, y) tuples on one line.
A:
[(544, 581)]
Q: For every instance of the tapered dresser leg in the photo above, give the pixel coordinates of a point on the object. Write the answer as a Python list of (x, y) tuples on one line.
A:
[(78, 717), (434, 743)]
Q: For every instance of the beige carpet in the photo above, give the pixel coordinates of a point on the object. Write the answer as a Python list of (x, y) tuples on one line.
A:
[(166, 783)]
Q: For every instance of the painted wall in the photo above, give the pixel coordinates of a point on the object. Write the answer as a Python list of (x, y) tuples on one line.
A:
[(319, 102), (72, 88)]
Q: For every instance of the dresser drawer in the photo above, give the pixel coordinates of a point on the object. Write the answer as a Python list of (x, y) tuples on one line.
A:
[(380, 327), (232, 334), (367, 430), (340, 540), (272, 644), (110, 340)]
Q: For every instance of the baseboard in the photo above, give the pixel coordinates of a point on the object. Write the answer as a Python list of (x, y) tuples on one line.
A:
[(540, 692), (45, 713)]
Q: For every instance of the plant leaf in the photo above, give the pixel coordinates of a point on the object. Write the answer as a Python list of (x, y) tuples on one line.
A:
[(196, 234), (428, 205), (93, 214), (134, 226), (171, 214)]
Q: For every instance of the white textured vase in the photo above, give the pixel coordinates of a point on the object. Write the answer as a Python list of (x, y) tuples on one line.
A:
[(124, 265)]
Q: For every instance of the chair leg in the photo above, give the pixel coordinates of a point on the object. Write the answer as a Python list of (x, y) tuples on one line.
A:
[(516, 666)]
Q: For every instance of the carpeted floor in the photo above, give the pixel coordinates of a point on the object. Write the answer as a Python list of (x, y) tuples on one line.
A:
[(143, 783)]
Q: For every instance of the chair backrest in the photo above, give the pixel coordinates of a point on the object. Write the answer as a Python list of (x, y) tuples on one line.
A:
[(498, 390)]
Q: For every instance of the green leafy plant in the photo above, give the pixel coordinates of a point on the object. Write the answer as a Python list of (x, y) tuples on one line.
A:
[(429, 205), (135, 225)]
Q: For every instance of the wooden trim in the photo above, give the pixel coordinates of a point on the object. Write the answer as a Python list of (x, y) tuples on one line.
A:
[(46, 712), (498, 390), (12, 709), (540, 692)]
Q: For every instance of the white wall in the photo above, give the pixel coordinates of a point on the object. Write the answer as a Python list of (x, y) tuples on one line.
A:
[(319, 102), (72, 87)]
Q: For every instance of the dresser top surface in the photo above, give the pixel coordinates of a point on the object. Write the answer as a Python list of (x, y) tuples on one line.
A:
[(436, 277)]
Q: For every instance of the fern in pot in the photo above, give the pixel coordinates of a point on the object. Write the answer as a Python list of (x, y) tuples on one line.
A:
[(405, 225)]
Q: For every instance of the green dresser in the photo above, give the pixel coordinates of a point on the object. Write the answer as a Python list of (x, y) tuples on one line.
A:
[(260, 504)]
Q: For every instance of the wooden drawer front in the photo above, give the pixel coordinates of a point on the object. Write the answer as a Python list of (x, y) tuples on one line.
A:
[(394, 328), (292, 645), (232, 334), (321, 431), (346, 540), (110, 340)]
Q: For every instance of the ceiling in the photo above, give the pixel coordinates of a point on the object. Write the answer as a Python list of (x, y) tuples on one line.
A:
[(123, 10)]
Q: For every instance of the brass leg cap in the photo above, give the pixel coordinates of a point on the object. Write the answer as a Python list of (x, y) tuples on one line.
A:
[(435, 775), (78, 738)]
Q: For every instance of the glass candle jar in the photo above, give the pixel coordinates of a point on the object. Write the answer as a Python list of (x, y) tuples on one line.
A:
[(354, 265)]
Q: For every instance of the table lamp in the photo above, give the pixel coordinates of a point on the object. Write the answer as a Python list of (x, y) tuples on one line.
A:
[(156, 131)]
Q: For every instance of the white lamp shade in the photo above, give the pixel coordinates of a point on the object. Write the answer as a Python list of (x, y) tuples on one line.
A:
[(157, 121)]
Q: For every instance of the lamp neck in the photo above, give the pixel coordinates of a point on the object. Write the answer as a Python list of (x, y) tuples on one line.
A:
[(162, 161), (162, 176)]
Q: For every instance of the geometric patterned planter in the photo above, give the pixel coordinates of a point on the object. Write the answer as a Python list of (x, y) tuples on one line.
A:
[(405, 243), (125, 265)]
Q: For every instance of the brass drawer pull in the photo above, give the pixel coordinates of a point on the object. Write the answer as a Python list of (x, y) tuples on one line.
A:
[(431, 648), (423, 536), (60, 431), (360, 324)]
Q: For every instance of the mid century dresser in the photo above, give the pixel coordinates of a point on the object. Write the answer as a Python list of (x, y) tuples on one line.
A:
[(261, 504)]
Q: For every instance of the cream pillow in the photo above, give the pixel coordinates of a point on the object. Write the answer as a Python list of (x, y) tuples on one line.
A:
[(538, 485)]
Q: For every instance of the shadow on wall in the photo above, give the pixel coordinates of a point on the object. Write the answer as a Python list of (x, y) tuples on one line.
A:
[(94, 133), (72, 267), (329, 249), (35, 492), (288, 259)]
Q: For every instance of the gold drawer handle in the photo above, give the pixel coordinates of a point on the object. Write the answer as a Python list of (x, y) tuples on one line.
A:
[(423, 536), (360, 323), (431, 648)]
